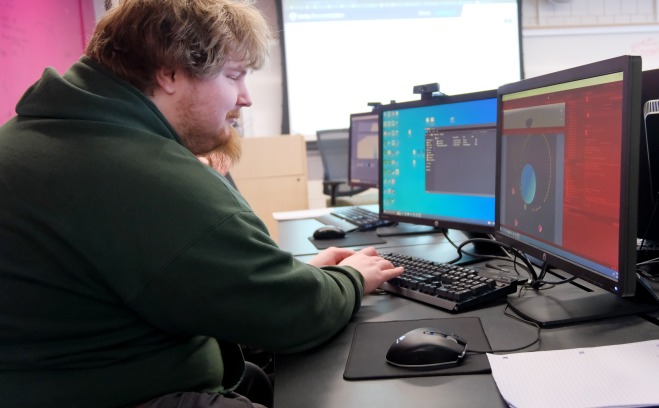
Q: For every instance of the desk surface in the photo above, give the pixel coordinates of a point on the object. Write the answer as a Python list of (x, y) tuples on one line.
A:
[(315, 378), (294, 237)]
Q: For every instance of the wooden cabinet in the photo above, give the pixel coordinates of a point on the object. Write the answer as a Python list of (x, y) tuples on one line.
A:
[(272, 176)]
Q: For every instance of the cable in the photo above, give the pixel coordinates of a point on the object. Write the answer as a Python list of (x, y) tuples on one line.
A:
[(530, 323), (445, 232), (540, 283), (537, 281), (517, 254)]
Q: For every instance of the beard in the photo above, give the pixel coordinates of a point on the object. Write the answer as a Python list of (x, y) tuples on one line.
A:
[(201, 131), (226, 155)]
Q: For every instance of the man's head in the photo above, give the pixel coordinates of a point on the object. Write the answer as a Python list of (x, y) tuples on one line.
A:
[(135, 38), (190, 57)]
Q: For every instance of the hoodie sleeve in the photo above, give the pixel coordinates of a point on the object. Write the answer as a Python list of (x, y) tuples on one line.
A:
[(235, 284)]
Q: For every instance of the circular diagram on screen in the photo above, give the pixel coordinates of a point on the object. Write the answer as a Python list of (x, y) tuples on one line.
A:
[(535, 180), (528, 184)]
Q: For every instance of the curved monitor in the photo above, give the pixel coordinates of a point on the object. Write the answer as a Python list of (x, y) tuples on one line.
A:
[(438, 161), (567, 172)]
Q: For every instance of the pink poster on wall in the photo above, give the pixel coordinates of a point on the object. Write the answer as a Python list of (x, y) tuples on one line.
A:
[(35, 34)]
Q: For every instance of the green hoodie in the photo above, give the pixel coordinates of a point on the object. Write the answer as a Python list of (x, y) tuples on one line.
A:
[(129, 269)]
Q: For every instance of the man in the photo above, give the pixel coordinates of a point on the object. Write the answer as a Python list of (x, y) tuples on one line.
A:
[(129, 270)]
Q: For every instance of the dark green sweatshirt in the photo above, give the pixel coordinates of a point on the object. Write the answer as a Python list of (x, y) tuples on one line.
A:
[(129, 269)]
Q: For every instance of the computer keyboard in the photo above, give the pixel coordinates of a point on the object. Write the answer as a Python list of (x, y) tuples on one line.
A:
[(365, 220), (446, 286)]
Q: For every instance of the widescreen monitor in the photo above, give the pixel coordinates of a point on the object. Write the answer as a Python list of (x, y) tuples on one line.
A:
[(567, 174), (363, 162), (438, 162)]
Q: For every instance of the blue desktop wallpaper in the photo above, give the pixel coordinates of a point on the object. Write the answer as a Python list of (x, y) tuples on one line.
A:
[(404, 163)]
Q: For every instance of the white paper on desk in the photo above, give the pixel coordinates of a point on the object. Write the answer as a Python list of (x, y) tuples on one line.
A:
[(625, 375), (301, 214)]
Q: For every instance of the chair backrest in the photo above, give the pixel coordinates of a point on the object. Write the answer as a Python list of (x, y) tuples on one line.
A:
[(333, 147)]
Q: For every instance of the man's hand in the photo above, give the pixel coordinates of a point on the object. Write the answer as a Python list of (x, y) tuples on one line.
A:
[(330, 256), (374, 268)]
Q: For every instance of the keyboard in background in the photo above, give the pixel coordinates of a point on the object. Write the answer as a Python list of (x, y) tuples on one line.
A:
[(365, 220), (449, 287)]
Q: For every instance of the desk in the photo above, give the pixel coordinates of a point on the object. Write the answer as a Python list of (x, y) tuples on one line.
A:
[(294, 234), (294, 231), (315, 378)]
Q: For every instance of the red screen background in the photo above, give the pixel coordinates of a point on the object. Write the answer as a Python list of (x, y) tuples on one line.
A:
[(591, 167)]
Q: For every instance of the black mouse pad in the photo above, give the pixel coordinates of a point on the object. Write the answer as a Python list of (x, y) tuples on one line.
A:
[(371, 342), (350, 240)]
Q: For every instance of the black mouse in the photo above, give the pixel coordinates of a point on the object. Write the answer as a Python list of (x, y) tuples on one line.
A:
[(329, 232), (427, 348)]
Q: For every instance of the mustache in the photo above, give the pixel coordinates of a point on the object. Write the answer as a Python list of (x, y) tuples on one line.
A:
[(234, 114)]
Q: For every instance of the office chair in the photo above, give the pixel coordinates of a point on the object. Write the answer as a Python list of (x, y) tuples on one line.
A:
[(333, 148)]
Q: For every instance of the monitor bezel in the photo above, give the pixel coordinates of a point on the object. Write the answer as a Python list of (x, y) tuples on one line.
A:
[(424, 102), (351, 182), (630, 66)]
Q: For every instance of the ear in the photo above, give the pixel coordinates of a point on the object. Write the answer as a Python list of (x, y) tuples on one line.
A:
[(166, 79)]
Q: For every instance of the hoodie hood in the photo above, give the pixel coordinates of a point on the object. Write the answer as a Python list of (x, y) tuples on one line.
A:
[(92, 94)]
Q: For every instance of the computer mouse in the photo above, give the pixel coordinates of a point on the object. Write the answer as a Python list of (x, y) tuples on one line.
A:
[(427, 348), (329, 232)]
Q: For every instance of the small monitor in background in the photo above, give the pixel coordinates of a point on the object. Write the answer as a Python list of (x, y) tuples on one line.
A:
[(439, 160), (363, 162), (567, 179)]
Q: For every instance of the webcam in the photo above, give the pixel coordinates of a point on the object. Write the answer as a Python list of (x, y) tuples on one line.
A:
[(427, 90)]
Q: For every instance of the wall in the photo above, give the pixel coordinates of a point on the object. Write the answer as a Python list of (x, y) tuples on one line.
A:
[(559, 36), (39, 33), (34, 35), (554, 36), (266, 86)]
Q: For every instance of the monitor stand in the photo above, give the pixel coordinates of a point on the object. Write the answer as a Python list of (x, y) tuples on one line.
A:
[(548, 309), (404, 228)]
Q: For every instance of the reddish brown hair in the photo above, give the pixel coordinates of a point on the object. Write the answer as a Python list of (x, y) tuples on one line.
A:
[(136, 37)]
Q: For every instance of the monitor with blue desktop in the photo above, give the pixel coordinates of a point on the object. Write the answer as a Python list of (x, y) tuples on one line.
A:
[(567, 179), (438, 162)]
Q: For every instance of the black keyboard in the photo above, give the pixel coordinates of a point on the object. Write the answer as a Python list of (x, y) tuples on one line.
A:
[(365, 220), (449, 287)]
